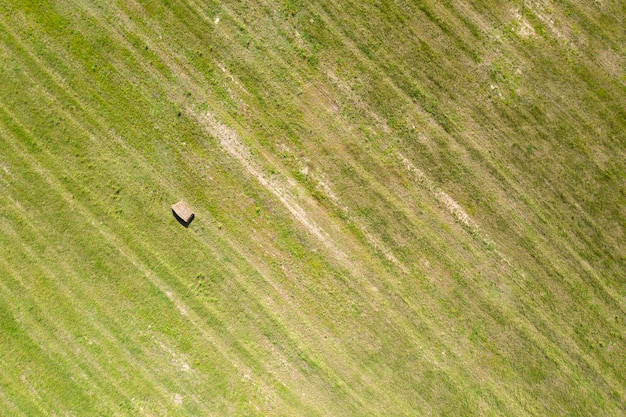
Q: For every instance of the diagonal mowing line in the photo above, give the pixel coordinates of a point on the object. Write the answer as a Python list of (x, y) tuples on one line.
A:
[(453, 208), (459, 214), (286, 194), (190, 314), (256, 171), (75, 295), (83, 128), (271, 307), (46, 337), (441, 197), (281, 191), (75, 99), (163, 394), (236, 273), (69, 116), (376, 68), (461, 217), (237, 149), (6, 402)]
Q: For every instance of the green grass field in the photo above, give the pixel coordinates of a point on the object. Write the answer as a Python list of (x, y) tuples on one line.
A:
[(402, 208)]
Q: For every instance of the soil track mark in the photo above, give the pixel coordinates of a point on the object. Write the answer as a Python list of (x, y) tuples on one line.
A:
[(285, 191)]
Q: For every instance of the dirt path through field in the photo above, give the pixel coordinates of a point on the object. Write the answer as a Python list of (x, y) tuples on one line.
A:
[(285, 191)]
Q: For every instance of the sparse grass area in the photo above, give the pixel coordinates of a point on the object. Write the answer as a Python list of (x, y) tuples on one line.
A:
[(402, 208)]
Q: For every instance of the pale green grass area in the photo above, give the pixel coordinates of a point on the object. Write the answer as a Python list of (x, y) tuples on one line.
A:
[(402, 208)]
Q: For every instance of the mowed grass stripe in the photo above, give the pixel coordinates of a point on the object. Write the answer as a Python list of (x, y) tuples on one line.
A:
[(180, 306), (66, 90), (370, 243), (291, 315), (129, 342), (127, 253), (559, 338), (551, 332), (406, 331), (512, 274), (409, 297), (76, 374), (566, 108), (118, 344), (22, 392), (195, 82)]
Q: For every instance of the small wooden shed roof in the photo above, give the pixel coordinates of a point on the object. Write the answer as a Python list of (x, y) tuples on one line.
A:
[(183, 211)]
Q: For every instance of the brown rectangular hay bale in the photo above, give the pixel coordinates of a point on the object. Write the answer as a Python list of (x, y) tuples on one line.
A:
[(183, 211)]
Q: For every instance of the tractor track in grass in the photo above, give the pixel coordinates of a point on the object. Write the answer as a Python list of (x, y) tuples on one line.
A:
[(72, 297), (287, 190), (285, 193), (83, 367), (127, 253), (458, 213), (551, 338), (138, 157), (95, 223), (403, 326), (126, 148), (81, 297)]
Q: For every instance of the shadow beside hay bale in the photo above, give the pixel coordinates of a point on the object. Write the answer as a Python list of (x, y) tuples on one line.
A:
[(183, 213), (182, 221)]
